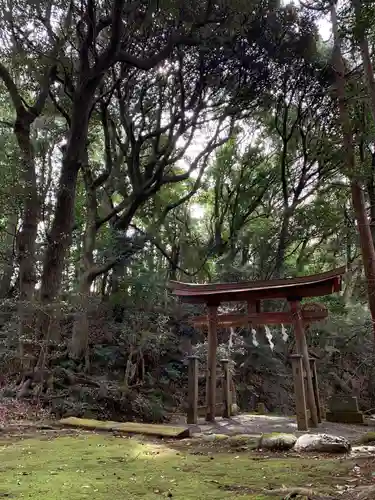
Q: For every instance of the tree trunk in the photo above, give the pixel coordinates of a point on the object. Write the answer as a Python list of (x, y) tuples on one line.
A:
[(368, 71), (80, 337), (26, 244), (350, 284), (365, 53), (245, 254), (26, 241), (358, 199), (60, 236), (117, 273), (174, 262), (302, 258), (282, 246), (7, 270), (366, 241), (371, 195), (79, 344)]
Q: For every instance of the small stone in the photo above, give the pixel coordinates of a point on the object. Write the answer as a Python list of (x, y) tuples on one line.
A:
[(322, 443)]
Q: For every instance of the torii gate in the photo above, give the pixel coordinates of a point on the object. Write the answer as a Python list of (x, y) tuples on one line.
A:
[(293, 290)]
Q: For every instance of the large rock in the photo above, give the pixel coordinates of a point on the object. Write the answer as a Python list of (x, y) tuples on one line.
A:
[(277, 441), (323, 443), (244, 441)]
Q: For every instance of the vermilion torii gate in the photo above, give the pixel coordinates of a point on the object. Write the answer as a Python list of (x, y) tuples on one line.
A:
[(292, 290)]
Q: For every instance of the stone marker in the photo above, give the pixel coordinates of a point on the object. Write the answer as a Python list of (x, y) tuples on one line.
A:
[(322, 443), (261, 408), (343, 403), (344, 409)]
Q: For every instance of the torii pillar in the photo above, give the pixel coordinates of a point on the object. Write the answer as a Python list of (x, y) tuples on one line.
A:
[(295, 307), (211, 363)]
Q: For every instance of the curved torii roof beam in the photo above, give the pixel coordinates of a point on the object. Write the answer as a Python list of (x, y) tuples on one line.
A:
[(305, 286)]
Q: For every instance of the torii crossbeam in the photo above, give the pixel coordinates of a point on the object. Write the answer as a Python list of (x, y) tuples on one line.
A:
[(293, 290)]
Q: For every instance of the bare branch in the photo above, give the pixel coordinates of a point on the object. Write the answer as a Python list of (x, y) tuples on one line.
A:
[(109, 56)]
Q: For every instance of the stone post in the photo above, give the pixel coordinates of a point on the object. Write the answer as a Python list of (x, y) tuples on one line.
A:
[(299, 391), (227, 400), (303, 350), (192, 411), (314, 376)]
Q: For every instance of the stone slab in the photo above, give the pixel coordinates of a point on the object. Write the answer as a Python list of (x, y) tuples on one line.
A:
[(342, 404)]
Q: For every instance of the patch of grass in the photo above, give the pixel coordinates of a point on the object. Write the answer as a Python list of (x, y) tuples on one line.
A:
[(99, 467)]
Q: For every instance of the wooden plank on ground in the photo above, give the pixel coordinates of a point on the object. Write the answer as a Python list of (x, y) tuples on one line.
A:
[(178, 432)]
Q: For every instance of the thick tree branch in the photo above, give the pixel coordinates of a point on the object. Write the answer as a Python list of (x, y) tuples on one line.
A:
[(110, 55), (59, 108), (154, 241), (101, 179), (152, 61), (12, 89)]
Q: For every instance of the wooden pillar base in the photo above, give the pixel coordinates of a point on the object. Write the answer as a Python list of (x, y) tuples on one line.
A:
[(192, 411), (299, 391)]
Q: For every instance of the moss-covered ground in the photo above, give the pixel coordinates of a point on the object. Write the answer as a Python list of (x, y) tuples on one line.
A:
[(101, 466)]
